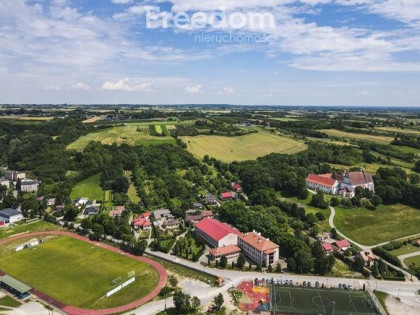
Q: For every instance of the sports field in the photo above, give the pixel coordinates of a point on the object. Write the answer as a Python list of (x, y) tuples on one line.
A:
[(321, 301), (248, 147), (89, 187), (369, 227), (359, 136), (79, 274), (131, 133)]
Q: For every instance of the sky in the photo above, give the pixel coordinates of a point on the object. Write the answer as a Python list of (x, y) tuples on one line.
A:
[(256, 52)]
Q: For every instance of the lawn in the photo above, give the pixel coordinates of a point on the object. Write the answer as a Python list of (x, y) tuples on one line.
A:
[(89, 187), (132, 191), (158, 129), (359, 136), (28, 227), (398, 130), (8, 301), (28, 118), (131, 133), (78, 273), (413, 260), (384, 224), (248, 147), (406, 249)]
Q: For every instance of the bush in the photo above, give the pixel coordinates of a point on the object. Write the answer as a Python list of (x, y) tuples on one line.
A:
[(381, 252)]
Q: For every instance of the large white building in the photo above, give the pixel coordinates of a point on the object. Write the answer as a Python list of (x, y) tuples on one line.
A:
[(29, 185), (216, 233), (343, 184), (10, 216), (260, 249)]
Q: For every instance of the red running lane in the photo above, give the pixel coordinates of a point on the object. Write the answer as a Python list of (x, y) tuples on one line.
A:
[(119, 309)]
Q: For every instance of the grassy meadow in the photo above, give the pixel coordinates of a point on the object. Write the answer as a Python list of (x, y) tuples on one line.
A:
[(358, 136), (78, 273), (370, 227), (132, 133), (247, 147), (89, 187)]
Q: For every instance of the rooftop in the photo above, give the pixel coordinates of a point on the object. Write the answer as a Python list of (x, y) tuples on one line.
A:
[(259, 242), (9, 212), (225, 250), (320, 180), (15, 284), (216, 229)]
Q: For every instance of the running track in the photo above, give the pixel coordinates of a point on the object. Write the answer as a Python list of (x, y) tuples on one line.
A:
[(76, 311)]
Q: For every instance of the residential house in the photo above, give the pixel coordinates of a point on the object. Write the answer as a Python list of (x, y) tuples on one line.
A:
[(229, 195), (260, 249), (4, 182), (161, 215), (216, 233), (92, 204), (171, 224), (368, 257), (92, 210), (342, 245), (211, 200), (29, 185), (228, 251), (327, 248), (117, 211), (14, 175), (81, 202), (237, 187), (142, 222), (198, 205), (50, 202), (10, 216), (192, 216)]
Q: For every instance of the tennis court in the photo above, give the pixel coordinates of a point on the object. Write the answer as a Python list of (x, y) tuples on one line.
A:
[(289, 300)]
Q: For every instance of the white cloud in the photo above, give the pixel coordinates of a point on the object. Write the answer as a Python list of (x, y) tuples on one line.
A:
[(128, 85), (121, 1), (193, 89), (81, 86), (228, 90)]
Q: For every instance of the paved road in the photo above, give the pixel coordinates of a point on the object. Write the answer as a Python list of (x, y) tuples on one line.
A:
[(402, 257), (406, 290)]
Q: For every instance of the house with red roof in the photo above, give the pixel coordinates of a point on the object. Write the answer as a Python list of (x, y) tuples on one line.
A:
[(368, 257), (237, 187), (228, 195), (142, 222), (217, 233), (327, 248), (117, 211), (342, 245)]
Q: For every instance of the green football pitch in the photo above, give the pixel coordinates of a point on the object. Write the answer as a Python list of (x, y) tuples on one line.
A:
[(291, 300)]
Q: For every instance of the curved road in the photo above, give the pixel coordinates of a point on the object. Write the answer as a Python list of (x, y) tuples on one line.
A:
[(403, 257), (124, 308)]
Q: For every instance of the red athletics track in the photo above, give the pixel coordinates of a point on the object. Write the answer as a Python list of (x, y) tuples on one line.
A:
[(119, 309)]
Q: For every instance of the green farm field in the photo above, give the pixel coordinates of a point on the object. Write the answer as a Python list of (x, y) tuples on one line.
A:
[(358, 136), (399, 130), (248, 147), (78, 273), (369, 227), (89, 187), (132, 134)]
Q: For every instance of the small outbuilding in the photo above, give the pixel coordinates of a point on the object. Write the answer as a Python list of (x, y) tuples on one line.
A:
[(15, 287)]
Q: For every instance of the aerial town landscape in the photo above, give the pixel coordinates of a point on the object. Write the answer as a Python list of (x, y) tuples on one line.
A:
[(188, 157)]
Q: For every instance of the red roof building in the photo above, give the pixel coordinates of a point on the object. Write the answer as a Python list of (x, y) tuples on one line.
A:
[(117, 211), (260, 249), (228, 251), (141, 222), (327, 248), (321, 180), (342, 245), (217, 233), (236, 187)]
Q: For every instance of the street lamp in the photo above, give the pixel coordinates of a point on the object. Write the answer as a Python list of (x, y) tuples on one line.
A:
[(333, 312)]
